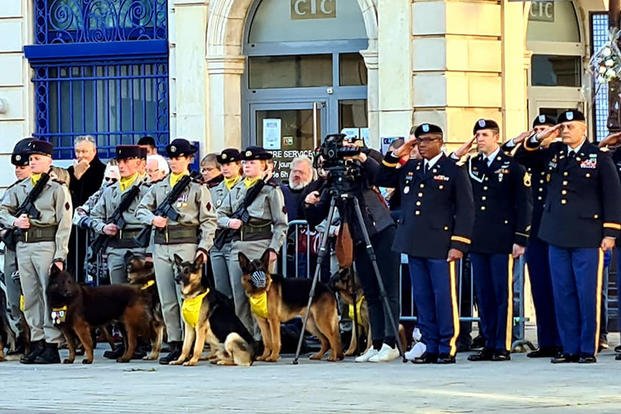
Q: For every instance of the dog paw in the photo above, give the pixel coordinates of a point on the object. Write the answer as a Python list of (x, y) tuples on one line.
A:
[(87, 361), (316, 357), (175, 362), (123, 360), (190, 363), (272, 358), (67, 361)]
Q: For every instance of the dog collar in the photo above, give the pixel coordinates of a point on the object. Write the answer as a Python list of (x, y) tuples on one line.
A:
[(358, 306), (148, 285)]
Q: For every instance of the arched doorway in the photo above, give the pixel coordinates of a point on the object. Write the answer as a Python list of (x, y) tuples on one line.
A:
[(305, 76)]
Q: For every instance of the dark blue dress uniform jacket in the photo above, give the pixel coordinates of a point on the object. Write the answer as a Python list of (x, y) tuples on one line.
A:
[(583, 203), (437, 211), (503, 204)]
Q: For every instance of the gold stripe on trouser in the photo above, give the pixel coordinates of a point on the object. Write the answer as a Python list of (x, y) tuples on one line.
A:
[(598, 295), (508, 332), (454, 309)]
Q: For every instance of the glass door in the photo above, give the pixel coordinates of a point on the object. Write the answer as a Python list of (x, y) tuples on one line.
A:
[(288, 130)]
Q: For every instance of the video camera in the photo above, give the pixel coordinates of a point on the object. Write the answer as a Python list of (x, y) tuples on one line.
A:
[(334, 157)]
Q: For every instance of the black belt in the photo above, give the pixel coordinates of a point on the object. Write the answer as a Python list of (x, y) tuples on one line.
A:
[(38, 234), (176, 235), (252, 232), (126, 239)]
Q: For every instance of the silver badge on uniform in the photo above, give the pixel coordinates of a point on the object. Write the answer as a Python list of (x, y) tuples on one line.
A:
[(425, 127), (570, 116), (218, 203), (542, 118), (481, 123), (18, 157), (406, 190), (173, 149), (248, 153), (224, 156)]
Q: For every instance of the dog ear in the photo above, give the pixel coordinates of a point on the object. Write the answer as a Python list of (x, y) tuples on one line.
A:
[(265, 259), (148, 264), (199, 261), (128, 256), (178, 260), (244, 263), (54, 270)]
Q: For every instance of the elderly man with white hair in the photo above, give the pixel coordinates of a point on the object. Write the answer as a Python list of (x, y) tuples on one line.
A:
[(157, 168)]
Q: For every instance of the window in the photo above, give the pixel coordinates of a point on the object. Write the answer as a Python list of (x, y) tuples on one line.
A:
[(289, 71), (549, 70), (599, 36)]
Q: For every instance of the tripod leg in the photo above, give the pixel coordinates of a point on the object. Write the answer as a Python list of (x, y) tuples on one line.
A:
[(320, 257), (380, 282)]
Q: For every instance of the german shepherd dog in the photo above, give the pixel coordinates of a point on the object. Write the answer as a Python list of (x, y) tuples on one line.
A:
[(286, 299), (140, 273), (347, 286), (77, 309), (7, 337), (214, 321)]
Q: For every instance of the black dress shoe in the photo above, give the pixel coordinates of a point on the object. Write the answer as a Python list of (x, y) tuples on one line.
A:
[(564, 358), (545, 352), (173, 355), (478, 342), (618, 349), (483, 355), (118, 352), (587, 359), (49, 355), (426, 358), (501, 356), (618, 357), (445, 359), (36, 348)]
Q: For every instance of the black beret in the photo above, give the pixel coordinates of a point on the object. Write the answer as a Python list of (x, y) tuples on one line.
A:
[(427, 129), (228, 155), (180, 147), (40, 147), (124, 152), (21, 151), (146, 140), (484, 124), (571, 115), (544, 119), (256, 153)]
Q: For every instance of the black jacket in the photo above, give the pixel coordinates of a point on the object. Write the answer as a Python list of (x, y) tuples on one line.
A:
[(583, 202), (502, 204), (437, 211), (90, 182)]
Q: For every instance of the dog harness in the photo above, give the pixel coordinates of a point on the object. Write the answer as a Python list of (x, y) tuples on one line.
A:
[(191, 307), (59, 315), (258, 304), (358, 306)]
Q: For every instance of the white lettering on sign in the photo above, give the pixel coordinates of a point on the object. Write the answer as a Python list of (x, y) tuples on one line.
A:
[(542, 11), (313, 9)]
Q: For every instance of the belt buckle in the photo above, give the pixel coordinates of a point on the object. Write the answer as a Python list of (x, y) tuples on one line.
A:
[(120, 234), (26, 236)]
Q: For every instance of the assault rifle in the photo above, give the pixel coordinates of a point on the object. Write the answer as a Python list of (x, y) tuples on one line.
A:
[(27, 207), (165, 209)]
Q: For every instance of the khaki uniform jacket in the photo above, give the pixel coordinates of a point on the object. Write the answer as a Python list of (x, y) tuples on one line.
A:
[(109, 201), (54, 204), (269, 205), (194, 206)]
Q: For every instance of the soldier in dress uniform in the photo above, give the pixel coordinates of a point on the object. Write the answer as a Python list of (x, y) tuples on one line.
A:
[(190, 236), (42, 243), (265, 229), (19, 158), (581, 219), (230, 163), (434, 230), (122, 239), (503, 210), (548, 341)]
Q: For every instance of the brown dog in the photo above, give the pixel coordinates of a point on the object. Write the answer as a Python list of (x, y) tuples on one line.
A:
[(347, 286), (140, 273), (286, 299), (76, 309)]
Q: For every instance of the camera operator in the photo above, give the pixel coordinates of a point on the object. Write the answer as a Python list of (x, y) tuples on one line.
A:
[(358, 173)]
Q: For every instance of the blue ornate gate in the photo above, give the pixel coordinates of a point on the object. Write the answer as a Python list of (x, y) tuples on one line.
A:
[(100, 68)]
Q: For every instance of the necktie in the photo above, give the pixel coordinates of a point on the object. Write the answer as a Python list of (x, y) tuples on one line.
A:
[(426, 167), (572, 154)]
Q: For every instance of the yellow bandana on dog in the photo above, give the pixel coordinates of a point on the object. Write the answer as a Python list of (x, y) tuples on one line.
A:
[(191, 308), (358, 306), (258, 304)]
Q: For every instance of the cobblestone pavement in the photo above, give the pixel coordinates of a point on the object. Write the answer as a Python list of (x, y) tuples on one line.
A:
[(521, 385)]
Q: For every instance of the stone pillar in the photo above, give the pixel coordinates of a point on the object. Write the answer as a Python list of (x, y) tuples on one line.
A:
[(373, 105)]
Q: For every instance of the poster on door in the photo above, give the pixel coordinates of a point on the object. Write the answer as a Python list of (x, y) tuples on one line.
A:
[(271, 133)]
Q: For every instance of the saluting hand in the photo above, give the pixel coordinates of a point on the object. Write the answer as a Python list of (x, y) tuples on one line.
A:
[(518, 250), (404, 150), (540, 136), (454, 254), (610, 140), (608, 243), (463, 150), (22, 222), (522, 136)]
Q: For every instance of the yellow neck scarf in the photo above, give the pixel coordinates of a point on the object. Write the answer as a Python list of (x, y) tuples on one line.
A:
[(258, 304), (35, 178), (126, 182), (358, 306), (190, 309), (230, 182), (174, 178), (249, 182)]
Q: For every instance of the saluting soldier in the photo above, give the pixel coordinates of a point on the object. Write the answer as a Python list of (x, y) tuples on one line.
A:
[(503, 210), (266, 227), (581, 219), (191, 235), (548, 341), (230, 163), (434, 229), (42, 243), (122, 239)]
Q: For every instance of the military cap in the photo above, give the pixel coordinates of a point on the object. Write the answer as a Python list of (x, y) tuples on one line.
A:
[(571, 115), (146, 140), (143, 152), (485, 124), (124, 152), (228, 155), (544, 119), (37, 146), (180, 147), (256, 153), (427, 129), (21, 151)]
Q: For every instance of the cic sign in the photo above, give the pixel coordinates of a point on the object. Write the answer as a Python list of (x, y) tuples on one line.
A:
[(541, 11), (312, 9)]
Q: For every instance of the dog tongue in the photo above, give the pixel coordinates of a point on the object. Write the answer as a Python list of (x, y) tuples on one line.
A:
[(258, 278)]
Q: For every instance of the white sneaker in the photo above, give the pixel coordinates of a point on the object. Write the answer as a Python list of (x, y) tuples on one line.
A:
[(371, 352), (417, 350), (386, 354)]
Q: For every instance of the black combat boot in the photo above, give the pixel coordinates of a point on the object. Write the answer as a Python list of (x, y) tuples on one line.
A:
[(174, 354), (49, 355), (36, 348)]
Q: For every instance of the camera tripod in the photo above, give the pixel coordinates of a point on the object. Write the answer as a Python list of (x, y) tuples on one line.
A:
[(323, 253)]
